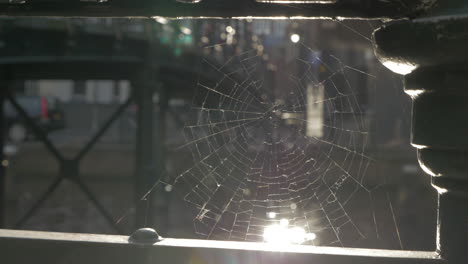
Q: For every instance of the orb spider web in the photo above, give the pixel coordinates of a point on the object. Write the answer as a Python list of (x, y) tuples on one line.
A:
[(262, 155)]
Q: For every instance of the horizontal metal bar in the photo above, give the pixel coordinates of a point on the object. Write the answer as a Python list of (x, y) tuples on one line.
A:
[(215, 8), (49, 247)]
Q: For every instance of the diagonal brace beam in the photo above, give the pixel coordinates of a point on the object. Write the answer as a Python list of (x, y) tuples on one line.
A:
[(98, 205), (34, 127), (103, 129), (39, 202)]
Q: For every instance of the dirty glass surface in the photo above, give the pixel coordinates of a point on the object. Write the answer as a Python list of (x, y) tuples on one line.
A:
[(275, 131)]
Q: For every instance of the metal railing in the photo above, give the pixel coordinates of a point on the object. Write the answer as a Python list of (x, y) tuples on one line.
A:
[(49, 247), (46, 247)]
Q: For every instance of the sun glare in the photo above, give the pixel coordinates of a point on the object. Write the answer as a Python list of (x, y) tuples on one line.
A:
[(284, 235), (295, 38)]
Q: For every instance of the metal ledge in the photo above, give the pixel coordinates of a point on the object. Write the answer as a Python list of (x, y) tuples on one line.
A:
[(217, 8), (49, 247)]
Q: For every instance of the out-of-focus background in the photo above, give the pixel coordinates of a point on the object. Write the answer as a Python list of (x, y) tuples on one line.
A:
[(402, 207)]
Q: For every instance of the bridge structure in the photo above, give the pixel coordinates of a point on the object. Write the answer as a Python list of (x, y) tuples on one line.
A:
[(58, 50)]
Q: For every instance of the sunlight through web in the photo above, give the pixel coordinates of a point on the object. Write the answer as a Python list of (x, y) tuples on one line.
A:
[(265, 155)]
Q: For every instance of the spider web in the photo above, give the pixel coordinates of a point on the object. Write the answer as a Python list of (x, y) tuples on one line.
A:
[(262, 155)]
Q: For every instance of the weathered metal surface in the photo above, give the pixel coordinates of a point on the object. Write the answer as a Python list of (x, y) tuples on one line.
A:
[(49, 247), (217, 8)]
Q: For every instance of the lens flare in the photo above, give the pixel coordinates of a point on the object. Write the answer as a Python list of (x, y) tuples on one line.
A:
[(295, 38), (282, 234)]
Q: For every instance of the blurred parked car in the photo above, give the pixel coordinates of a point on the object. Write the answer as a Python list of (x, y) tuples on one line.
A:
[(47, 112)]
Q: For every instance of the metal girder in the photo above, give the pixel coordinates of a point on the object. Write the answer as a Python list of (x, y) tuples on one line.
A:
[(71, 70), (30, 53), (218, 8), (50, 247)]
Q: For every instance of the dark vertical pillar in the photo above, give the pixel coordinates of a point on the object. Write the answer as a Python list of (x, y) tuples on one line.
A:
[(161, 128), (2, 157), (143, 88), (162, 203), (439, 129), (432, 53), (453, 224)]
